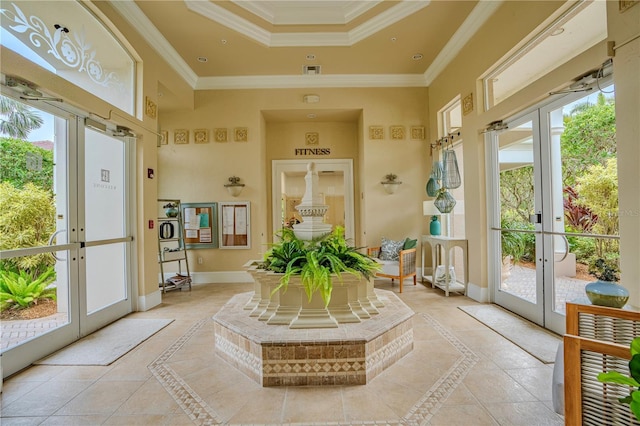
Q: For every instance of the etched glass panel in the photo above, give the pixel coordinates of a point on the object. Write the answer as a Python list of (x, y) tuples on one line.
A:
[(68, 40)]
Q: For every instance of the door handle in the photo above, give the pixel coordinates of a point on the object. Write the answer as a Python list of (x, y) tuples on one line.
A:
[(566, 248), (535, 218), (50, 243)]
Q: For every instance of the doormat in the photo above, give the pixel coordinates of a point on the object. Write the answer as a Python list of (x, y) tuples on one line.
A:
[(106, 345), (534, 339)]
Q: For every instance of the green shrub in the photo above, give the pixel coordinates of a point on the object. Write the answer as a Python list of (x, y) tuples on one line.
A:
[(19, 290), (14, 156), (317, 261), (27, 219), (519, 245)]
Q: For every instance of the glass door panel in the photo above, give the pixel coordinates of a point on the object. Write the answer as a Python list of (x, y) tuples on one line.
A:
[(37, 246), (105, 210), (582, 218), (556, 196), (518, 287)]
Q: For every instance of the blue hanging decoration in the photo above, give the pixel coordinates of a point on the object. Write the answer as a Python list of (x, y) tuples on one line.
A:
[(445, 201), (432, 186), (451, 175), (437, 170)]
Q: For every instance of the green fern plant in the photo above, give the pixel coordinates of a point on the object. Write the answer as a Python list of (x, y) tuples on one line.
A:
[(318, 262), (19, 290), (633, 399)]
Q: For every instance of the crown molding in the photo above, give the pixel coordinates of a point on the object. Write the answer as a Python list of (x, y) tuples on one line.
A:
[(388, 17), (306, 13), (485, 8), (311, 81), (346, 38), (134, 15), (230, 20), (478, 16)]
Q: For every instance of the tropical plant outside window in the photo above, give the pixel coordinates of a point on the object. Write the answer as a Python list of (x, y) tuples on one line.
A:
[(590, 190), (27, 217)]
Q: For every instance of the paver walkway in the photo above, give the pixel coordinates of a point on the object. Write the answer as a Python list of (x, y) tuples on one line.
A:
[(15, 332), (522, 283)]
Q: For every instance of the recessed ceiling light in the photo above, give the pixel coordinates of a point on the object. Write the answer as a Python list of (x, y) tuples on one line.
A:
[(311, 57), (557, 31), (311, 116), (417, 56), (202, 59)]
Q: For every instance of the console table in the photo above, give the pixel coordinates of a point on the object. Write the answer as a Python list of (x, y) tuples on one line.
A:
[(440, 250)]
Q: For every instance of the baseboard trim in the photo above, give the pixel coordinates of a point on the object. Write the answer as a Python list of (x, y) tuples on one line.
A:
[(221, 277), (477, 293), (149, 301)]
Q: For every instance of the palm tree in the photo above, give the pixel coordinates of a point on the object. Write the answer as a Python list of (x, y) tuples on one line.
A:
[(16, 119)]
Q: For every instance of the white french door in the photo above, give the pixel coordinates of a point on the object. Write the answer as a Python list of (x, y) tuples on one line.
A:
[(90, 235), (539, 237)]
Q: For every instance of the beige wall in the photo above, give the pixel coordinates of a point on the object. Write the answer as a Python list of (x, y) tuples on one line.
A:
[(197, 172), (151, 70), (623, 27), (494, 42), (282, 138)]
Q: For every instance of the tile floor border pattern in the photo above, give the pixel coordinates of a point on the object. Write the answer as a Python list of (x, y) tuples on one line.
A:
[(190, 402), (420, 414), (430, 403)]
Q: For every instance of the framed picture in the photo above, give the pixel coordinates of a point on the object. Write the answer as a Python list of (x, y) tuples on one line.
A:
[(235, 224), (200, 225)]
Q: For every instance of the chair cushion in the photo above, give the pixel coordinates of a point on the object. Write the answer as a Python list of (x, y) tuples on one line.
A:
[(390, 249), (390, 267), (409, 244)]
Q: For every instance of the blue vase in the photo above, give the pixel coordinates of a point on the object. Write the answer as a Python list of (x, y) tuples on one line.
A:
[(607, 293), (434, 226), (171, 212)]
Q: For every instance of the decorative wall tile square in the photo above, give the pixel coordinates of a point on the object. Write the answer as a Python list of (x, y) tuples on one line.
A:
[(150, 108), (241, 134), (220, 135), (376, 132), (417, 132), (164, 137), (467, 104), (312, 138), (623, 5), (180, 136), (397, 132), (201, 136)]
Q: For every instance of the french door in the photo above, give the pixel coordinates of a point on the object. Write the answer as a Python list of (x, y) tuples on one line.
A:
[(544, 231), (81, 178)]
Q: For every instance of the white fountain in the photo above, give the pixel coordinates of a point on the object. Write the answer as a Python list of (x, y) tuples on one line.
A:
[(312, 209)]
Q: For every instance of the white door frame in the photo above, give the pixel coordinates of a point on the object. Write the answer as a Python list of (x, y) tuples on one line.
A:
[(343, 165)]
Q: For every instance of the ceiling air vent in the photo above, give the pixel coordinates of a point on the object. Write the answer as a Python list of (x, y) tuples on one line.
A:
[(311, 69)]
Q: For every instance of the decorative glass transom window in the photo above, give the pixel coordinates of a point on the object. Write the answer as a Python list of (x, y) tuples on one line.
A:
[(581, 26), (67, 39)]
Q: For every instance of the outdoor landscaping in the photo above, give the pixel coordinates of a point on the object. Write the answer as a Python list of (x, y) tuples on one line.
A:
[(27, 217), (590, 194)]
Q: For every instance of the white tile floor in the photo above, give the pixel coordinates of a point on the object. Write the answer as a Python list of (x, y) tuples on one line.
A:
[(459, 373)]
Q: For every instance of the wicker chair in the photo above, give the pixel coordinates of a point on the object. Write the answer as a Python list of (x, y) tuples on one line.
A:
[(597, 340), (401, 269)]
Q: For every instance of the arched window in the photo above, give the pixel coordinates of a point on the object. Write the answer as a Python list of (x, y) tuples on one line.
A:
[(67, 39)]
